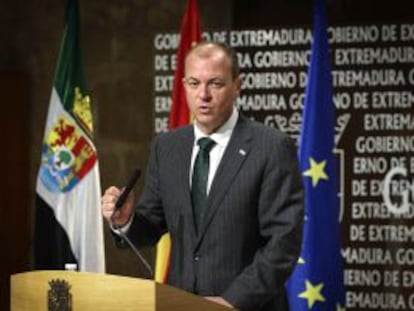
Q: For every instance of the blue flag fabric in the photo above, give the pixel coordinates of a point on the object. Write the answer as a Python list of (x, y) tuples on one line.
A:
[(317, 281)]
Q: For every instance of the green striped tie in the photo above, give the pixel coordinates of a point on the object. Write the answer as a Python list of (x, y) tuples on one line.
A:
[(200, 178)]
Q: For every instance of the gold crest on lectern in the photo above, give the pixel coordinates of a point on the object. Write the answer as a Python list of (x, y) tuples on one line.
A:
[(59, 297)]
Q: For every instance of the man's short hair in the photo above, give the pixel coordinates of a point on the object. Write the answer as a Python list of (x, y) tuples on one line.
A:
[(228, 51)]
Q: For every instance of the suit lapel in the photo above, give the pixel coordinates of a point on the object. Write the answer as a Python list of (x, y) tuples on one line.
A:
[(184, 163), (233, 158)]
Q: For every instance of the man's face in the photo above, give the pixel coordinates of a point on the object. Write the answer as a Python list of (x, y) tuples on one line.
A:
[(210, 88)]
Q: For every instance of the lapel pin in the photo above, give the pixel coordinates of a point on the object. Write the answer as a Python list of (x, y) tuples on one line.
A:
[(242, 152)]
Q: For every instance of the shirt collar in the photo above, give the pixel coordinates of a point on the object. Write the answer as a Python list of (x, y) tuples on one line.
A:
[(222, 135)]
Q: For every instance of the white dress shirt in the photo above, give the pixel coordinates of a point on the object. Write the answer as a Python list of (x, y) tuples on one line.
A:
[(222, 138)]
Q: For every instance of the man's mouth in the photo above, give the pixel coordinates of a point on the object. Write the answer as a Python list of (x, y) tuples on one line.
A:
[(203, 107)]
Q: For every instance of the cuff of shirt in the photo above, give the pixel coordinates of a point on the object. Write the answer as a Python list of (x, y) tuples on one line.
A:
[(122, 229)]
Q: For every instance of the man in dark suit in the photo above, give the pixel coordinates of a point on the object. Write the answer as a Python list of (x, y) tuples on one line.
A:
[(236, 232)]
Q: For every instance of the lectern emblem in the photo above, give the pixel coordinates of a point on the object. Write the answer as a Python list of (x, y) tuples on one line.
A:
[(59, 297)]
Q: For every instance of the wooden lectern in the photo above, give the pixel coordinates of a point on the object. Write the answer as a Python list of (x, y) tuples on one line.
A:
[(95, 291)]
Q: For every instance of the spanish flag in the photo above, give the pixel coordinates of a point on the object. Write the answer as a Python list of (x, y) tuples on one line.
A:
[(190, 34)]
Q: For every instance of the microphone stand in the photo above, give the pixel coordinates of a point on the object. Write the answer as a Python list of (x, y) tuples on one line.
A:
[(134, 249), (118, 204)]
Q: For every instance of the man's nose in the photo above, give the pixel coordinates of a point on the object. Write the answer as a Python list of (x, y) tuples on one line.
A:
[(204, 91)]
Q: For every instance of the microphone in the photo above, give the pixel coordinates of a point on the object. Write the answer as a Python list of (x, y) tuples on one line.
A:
[(118, 204), (130, 185)]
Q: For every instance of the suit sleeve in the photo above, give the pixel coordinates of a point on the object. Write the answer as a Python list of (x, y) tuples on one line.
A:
[(280, 213)]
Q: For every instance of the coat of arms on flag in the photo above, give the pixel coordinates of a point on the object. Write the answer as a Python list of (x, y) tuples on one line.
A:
[(67, 156)]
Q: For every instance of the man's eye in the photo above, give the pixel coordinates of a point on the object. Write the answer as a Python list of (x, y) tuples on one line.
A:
[(192, 84), (216, 84)]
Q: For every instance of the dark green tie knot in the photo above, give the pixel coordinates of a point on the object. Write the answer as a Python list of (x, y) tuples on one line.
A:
[(206, 144)]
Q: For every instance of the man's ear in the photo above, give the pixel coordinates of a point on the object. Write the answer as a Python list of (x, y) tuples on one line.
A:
[(237, 86)]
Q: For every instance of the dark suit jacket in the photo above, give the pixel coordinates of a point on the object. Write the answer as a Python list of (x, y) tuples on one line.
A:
[(251, 233)]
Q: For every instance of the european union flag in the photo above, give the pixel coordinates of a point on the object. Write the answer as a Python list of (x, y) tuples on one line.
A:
[(317, 281)]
